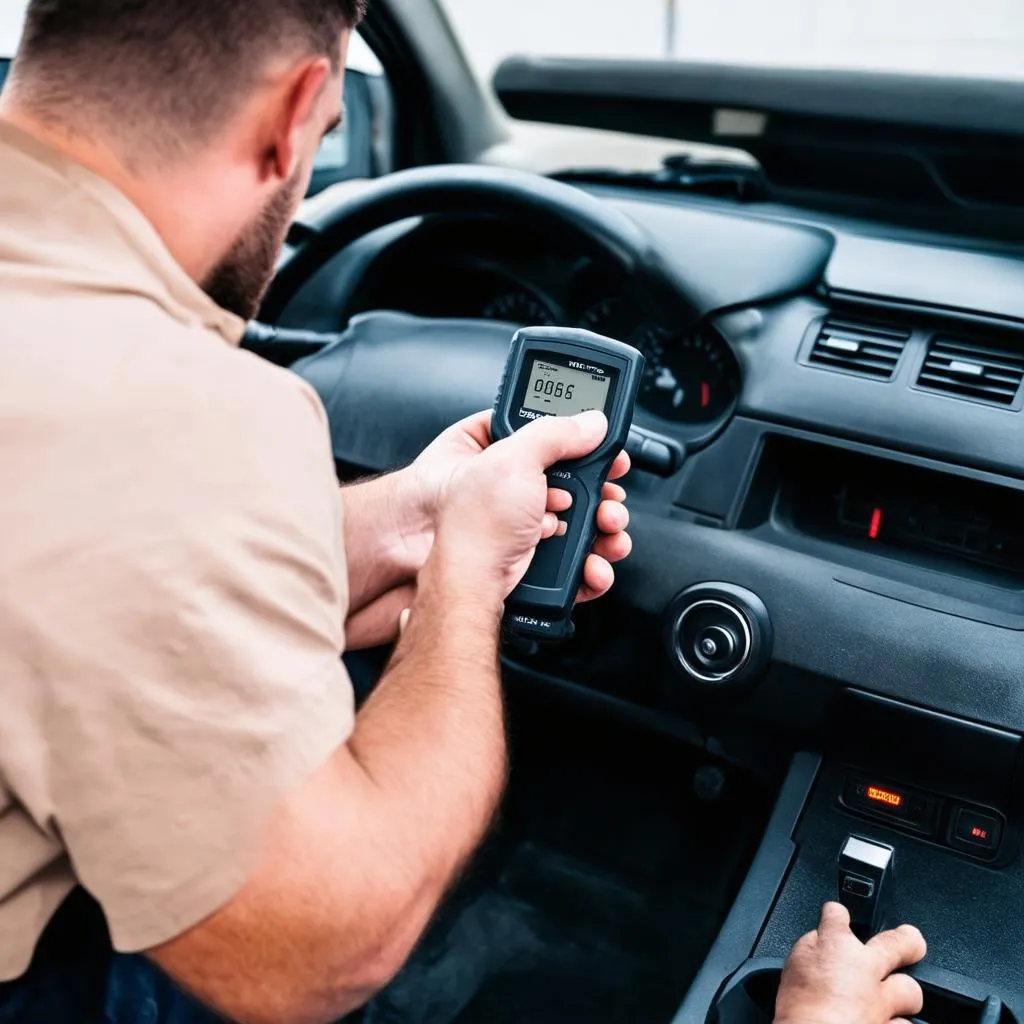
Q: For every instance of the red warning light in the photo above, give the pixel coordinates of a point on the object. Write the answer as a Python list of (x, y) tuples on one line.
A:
[(705, 394), (876, 524), (979, 833)]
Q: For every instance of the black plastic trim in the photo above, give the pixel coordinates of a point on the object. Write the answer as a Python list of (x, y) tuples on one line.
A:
[(754, 902), (946, 105)]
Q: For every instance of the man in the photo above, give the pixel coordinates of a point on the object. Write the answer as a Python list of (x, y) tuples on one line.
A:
[(181, 574)]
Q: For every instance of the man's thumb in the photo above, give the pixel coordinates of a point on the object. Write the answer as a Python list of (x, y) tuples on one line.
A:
[(554, 439)]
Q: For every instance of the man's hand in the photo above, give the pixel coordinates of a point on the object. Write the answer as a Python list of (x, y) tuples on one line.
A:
[(391, 523), (831, 977), (431, 478), (497, 507)]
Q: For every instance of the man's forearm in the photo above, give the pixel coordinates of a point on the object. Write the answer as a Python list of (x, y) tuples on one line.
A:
[(432, 736), (386, 536), (358, 858)]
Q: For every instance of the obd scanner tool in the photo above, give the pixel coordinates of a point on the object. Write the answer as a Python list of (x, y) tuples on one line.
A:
[(555, 371)]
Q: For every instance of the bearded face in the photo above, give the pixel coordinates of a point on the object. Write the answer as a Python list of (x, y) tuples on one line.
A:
[(239, 282)]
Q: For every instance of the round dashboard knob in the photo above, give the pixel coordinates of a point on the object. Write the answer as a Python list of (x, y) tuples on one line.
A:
[(719, 635)]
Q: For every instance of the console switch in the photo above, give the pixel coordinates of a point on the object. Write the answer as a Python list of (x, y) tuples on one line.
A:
[(864, 879), (977, 830)]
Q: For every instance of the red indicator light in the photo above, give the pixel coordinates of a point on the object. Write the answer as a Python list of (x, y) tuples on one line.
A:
[(885, 796), (705, 395), (876, 524), (979, 833)]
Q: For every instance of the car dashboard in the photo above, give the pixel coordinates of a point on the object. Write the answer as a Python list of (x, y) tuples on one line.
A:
[(851, 408), (846, 528), (850, 405)]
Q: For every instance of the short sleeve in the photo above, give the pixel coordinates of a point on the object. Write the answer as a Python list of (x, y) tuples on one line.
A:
[(196, 678)]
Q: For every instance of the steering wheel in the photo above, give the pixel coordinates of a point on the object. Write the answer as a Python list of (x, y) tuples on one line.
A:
[(391, 383)]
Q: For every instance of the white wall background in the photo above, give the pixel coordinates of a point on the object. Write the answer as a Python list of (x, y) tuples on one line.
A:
[(970, 37), (967, 37), (11, 13)]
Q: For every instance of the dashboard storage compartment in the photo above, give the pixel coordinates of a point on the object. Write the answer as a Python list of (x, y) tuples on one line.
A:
[(960, 525), (749, 998)]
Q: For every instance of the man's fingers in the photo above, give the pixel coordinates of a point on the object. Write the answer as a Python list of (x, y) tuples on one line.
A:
[(903, 996), (598, 577), (613, 492), (551, 525), (559, 500), (620, 467), (554, 439), (898, 948), (478, 426), (835, 919), (614, 547), (612, 517)]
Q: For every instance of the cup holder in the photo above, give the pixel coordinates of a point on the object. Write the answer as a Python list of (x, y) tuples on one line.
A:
[(749, 998)]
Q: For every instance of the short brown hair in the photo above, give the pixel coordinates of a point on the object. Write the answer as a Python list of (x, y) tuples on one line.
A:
[(180, 65)]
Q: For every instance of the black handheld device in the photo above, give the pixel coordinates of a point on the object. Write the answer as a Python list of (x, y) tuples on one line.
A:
[(556, 371)]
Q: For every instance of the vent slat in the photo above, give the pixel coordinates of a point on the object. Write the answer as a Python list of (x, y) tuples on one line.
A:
[(855, 360), (865, 349), (964, 387), (979, 372), (866, 330), (958, 349)]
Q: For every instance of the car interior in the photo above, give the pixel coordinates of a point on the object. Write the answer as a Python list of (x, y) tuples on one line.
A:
[(828, 477)]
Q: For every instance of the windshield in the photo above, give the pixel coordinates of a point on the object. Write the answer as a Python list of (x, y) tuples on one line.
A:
[(983, 38)]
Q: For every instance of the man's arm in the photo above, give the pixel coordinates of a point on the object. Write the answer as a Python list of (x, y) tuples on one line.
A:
[(388, 530), (355, 862)]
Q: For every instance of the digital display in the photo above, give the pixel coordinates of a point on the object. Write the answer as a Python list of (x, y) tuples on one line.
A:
[(884, 796), (560, 391)]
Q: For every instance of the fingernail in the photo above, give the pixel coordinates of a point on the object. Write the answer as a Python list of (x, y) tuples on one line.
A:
[(593, 424)]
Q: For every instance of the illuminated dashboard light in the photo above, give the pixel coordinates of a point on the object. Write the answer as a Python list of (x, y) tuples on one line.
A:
[(885, 796), (876, 524)]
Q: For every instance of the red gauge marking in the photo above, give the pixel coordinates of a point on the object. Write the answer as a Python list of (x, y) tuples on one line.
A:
[(705, 394)]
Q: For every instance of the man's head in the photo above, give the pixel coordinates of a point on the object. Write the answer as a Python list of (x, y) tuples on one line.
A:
[(226, 98)]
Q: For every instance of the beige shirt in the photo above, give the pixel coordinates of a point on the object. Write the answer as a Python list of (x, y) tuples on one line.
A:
[(172, 581)]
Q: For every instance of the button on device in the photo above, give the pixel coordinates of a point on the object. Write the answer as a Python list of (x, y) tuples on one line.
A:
[(977, 829), (857, 886)]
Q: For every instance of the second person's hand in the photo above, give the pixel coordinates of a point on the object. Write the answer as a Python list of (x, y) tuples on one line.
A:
[(832, 977)]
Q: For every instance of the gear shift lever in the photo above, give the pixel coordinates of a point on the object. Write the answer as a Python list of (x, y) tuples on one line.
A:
[(864, 880)]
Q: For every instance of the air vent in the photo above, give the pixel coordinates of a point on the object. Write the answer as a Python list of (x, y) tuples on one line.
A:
[(871, 350), (982, 373)]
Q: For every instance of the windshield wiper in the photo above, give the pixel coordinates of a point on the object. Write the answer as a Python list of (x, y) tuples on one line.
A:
[(682, 172)]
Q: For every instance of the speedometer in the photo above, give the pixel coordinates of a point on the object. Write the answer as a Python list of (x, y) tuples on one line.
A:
[(614, 318), (690, 379), (520, 307)]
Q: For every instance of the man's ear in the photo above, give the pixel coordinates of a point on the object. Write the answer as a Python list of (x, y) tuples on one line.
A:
[(299, 94)]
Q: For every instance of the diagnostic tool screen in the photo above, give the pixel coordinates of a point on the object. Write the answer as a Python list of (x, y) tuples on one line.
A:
[(559, 391)]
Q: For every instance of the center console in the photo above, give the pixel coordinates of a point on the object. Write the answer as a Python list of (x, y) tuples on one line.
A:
[(910, 820)]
